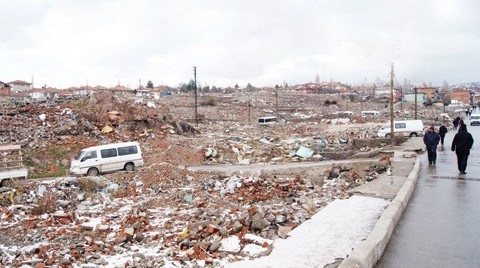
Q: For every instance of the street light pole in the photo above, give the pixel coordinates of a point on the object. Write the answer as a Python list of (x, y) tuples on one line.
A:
[(415, 88), (392, 133)]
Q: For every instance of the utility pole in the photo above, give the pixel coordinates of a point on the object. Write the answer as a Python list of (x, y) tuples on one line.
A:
[(416, 89), (195, 82), (392, 133), (401, 99), (276, 101), (249, 105)]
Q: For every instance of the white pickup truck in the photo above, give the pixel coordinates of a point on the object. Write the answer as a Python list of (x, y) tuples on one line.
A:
[(11, 164)]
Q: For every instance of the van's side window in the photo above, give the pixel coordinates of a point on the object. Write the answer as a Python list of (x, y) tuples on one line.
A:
[(400, 125), (127, 150), (108, 153), (89, 155)]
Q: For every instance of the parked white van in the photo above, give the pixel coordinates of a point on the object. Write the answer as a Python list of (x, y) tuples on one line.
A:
[(106, 158), (411, 128), (267, 120), (370, 113), (475, 119)]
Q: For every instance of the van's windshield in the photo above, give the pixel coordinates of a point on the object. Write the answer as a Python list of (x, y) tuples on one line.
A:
[(475, 117), (79, 155)]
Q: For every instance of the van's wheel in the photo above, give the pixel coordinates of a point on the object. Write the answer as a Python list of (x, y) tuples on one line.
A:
[(414, 134), (387, 135), (92, 172), (7, 183), (129, 167)]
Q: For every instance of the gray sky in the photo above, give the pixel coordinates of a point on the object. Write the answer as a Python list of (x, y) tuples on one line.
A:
[(64, 43)]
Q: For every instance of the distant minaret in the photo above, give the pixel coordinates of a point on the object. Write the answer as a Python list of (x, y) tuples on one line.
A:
[(32, 83)]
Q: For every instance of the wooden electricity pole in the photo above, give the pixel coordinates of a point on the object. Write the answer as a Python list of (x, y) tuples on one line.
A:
[(392, 133), (195, 88), (249, 105)]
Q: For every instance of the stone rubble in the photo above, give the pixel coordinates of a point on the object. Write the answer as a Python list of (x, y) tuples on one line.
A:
[(163, 214)]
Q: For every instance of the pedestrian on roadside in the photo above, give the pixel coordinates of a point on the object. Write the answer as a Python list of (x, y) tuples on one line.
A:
[(442, 131), (461, 145), (455, 122), (431, 140)]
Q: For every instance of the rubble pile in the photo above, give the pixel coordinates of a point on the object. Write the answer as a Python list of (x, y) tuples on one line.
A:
[(102, 117), (163, 214), (201, 221)]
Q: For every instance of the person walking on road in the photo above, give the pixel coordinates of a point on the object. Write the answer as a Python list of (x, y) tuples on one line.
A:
[(431, 140), (442, 131), (455, 122), (461, 145)]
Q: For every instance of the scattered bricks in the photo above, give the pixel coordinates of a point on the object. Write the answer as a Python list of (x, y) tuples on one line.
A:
[(199, 203), (222, 208), (212, 228)]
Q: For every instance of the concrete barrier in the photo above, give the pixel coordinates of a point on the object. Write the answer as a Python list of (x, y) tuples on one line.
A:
[(370, 251)]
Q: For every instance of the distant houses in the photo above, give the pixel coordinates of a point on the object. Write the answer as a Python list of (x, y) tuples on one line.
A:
[(21, 89), (19, 86)]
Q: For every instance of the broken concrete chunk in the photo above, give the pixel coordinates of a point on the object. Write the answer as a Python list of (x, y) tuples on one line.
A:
[(254, 251), (259, 223), (230, 245)]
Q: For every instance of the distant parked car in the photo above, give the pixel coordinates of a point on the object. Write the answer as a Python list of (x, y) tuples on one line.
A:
[(475, 120)]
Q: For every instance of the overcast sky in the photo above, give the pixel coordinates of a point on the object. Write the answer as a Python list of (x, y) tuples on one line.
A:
[(65, 43)]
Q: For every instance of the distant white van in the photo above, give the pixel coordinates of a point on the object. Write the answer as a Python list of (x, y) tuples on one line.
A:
[(370, 113), (267, 120), (344, 113), (411, 128), (107, 158), (475, 119)]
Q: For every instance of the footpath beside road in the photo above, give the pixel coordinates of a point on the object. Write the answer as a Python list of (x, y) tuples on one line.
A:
[(352, 232)]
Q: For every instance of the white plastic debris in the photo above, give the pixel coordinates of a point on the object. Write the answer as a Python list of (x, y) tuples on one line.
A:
[(151, 104)]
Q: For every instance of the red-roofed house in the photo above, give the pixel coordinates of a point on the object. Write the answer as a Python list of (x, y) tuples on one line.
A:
[(43, 93), (4, 88), (462, 96), (18, 86)]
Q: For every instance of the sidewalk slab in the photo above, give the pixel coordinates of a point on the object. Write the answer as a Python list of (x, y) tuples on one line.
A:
[(328, 235)]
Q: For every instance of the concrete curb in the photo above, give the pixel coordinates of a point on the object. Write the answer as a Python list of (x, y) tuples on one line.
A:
[(368, 252)]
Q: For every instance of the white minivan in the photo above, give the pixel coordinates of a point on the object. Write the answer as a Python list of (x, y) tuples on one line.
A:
[(475, 119), (370, 113), (411, 128), (107, 158)]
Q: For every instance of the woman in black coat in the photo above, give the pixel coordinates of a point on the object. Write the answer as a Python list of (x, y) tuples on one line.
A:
[(442, 131), (461, 145)]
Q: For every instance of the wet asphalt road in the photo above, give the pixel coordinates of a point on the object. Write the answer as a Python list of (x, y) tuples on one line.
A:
[(441, 225)]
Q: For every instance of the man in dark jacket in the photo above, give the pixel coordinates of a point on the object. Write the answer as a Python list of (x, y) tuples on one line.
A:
[(431, 139), (461, 145), (442, 131)]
